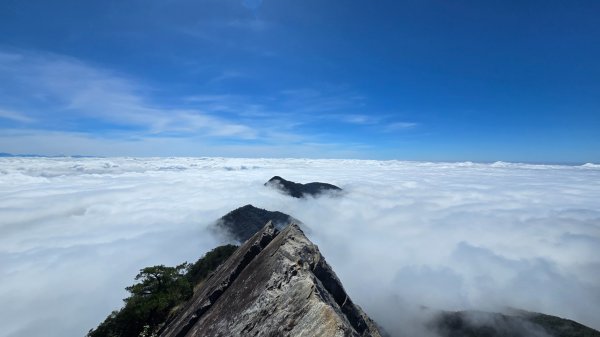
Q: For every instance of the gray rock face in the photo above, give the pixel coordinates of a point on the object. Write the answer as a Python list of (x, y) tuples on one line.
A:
[(275, 284)]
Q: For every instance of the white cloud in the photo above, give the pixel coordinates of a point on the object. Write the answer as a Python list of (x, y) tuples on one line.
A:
[(74, 232), (400, 126), (68, 98), (361, 119), (227, 75), (70, 89), (281, 144), (15, 116)]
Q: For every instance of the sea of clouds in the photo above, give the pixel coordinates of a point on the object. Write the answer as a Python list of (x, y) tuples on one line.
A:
[(407, 235)]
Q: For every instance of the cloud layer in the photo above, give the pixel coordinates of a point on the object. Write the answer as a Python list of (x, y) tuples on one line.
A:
[(53, 104), (451, 236)]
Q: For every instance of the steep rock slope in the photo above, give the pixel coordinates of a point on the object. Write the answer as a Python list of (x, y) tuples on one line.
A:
[(298, 190), (275, 284), (245, 221)]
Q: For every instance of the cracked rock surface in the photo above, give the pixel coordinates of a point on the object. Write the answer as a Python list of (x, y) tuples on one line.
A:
[(275, 284)]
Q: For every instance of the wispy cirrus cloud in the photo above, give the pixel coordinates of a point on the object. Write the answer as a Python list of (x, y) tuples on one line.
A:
[(67, 89), (16, 116), (383, 123), (343, 106), (361, 119), (397, 126), (227, 75), (281, 144), (74, 107), (62, 94)]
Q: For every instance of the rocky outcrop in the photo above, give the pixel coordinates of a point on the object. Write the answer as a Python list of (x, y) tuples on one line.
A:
[(517, 323), (245, 221), (275, 284), (298, 190)]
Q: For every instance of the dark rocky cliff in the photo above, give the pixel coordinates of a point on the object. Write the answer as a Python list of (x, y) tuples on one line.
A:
[(517, 323), (275, 284), (298, 190), (245, 221)]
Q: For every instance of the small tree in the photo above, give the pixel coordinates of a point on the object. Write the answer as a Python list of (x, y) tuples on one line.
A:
[(200, 269), (160, 280), (159, 289), (156, 293)]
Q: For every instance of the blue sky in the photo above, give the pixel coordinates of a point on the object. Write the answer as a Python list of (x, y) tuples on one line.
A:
[(413, 80)]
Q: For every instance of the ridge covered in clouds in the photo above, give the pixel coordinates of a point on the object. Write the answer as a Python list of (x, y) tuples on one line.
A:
[(451, 236)]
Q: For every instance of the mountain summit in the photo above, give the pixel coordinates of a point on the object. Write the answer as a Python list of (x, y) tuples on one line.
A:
[(245, 221), (275, 284), (298, 190)]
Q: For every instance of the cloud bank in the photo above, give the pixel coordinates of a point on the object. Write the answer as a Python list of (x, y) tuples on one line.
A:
[(74, 233)]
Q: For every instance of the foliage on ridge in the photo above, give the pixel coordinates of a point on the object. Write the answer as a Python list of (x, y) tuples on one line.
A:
[(157, 294)]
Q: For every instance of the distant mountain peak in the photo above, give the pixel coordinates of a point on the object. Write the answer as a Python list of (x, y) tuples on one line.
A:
[(516, 323), (298, 190), (245, 221)]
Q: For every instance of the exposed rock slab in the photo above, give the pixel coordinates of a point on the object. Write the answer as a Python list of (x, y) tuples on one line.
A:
[(298, 190), (246, 221), (275, 284)]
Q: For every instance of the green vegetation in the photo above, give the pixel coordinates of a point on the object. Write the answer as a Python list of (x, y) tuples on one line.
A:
[(563, 327), (203, 267), (156, 295), (519, 324)]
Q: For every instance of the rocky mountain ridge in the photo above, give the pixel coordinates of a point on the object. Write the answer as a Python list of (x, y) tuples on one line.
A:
[(278, 284), (275, 284)]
